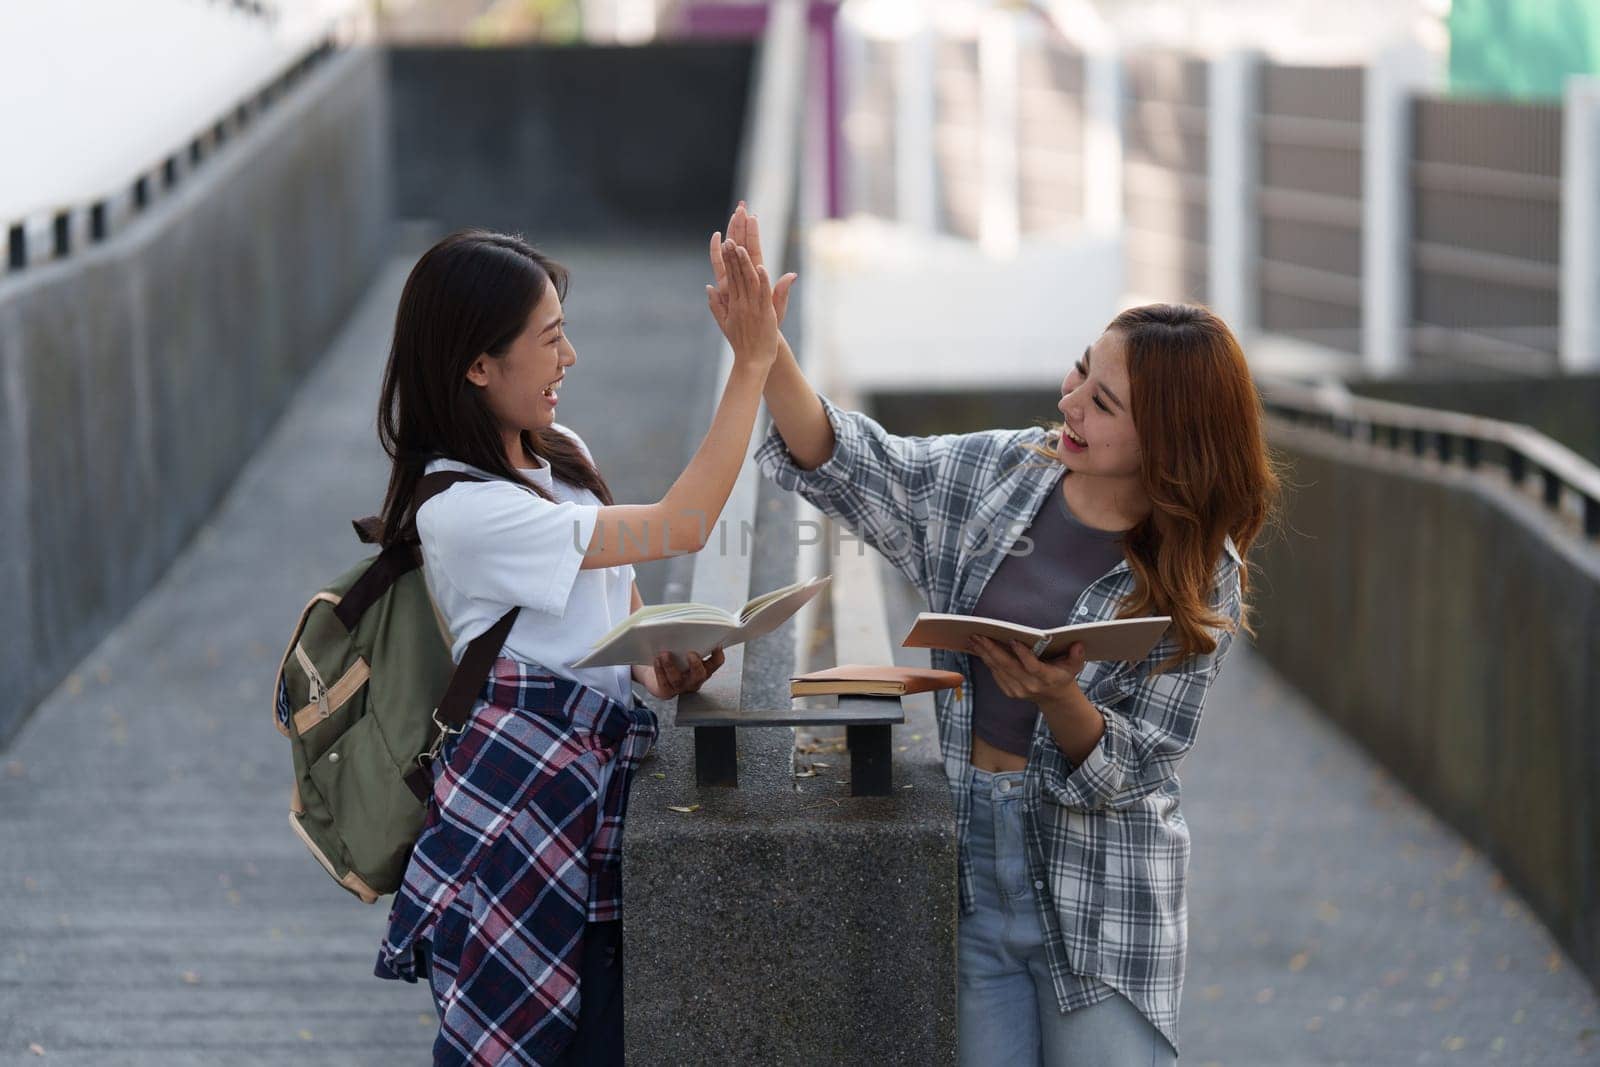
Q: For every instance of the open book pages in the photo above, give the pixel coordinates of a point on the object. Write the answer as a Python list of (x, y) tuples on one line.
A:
[(693, 627), (1116, 639)]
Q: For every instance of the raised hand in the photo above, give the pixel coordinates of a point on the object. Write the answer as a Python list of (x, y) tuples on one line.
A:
[(741, 302), (745, 231)]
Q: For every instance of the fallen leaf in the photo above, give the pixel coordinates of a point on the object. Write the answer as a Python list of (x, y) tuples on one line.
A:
[(36, 1048), (819, 765), (1298, 961), (190, 978), (305, 1035), (684, 809), (807, 773), (658, 774)]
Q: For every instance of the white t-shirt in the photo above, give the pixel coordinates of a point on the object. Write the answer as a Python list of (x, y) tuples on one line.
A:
[(489, 545)]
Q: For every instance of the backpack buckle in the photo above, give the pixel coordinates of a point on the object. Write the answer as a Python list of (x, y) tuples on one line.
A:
[(438, 742)]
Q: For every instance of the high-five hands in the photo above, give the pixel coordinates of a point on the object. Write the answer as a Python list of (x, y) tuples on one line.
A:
[(742, 304), (745, 232)]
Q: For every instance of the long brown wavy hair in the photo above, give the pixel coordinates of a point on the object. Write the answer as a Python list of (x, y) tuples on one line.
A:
[(1205, 466), (468, 295)]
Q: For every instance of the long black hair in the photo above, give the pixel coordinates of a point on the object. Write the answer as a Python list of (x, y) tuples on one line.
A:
[(470, 294)]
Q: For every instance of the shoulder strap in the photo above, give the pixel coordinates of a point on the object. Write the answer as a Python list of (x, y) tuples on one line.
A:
[(370, 529), (462, 694)]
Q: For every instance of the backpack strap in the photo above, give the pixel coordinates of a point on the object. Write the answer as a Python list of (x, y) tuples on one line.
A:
[(455, 708), (462, 693), (396, 559)]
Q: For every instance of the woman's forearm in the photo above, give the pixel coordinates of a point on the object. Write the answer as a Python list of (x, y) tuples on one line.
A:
[(797, 412), (1075, 723), (697, 498), (683, 519)]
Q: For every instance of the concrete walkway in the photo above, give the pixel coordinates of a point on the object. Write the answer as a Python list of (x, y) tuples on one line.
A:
[(157, 909), (1332, 919)]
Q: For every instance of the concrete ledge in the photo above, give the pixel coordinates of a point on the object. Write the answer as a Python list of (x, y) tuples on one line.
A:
[(1451, 624), (786, 922), (139, 376)]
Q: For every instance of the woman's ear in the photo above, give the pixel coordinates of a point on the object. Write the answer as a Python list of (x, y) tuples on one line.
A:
[(478, 371)]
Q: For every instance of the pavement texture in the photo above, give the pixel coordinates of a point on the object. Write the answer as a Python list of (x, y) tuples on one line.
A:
[(1332, 919), (155, 908)]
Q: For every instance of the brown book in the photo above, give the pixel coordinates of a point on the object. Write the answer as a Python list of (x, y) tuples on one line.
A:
[(859, 679), (1112, 639)]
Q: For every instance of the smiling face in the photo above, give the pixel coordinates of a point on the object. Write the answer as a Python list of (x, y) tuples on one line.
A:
[(1095, 398), (520, 385)]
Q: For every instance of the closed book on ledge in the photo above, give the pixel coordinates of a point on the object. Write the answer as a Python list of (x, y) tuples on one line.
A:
[(857, 679), (1113, 639)]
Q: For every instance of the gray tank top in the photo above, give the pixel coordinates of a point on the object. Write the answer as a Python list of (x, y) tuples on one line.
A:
[(1039, 589)]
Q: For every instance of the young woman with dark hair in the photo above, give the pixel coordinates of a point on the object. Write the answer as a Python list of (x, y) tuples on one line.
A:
[(511, 904), (1143, 500)]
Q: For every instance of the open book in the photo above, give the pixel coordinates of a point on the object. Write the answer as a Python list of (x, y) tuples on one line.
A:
[(702, 628), (1116, 639)]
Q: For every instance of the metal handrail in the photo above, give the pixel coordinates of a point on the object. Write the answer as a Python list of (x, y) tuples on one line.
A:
[(49, 236), (1445, 434), (727, 700)]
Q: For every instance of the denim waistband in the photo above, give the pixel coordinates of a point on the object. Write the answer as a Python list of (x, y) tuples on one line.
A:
[(996, 785)]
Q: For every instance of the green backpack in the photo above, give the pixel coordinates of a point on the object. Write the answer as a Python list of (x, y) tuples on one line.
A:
[(365, 694)]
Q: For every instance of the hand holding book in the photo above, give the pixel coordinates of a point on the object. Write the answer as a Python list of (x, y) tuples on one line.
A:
[(703, 628)]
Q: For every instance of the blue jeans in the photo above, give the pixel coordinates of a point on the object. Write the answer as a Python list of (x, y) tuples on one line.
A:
[(1006, 1004)]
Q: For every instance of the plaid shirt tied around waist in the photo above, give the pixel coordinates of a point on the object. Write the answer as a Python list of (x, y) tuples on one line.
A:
[(521, 849), (1108, 849)]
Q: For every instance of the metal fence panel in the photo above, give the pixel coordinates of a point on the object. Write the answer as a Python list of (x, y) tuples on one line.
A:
[(1050, 134), (957, 137), (1486, 232), (869, 128), (1309, 199), (1164, 176)]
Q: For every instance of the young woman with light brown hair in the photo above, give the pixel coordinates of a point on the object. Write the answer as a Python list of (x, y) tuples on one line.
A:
[(1144, 500)]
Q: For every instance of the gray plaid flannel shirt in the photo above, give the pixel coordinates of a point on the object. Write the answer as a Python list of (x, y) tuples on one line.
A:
[(1108, 849)]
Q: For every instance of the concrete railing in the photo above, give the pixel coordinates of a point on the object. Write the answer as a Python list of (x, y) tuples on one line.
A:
[(137, 375), (1447, 618), (785, 920), (1568, 483)]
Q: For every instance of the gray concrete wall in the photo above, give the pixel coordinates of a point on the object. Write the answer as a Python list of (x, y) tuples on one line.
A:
[(1451, 626), (542, 140), (139, 376)]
